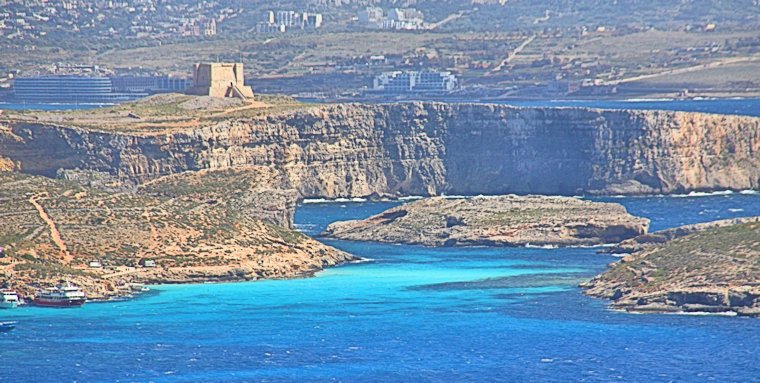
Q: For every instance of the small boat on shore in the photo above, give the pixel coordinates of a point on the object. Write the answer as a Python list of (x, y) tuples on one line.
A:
[(7, 326), (9, 299), (139, 288), (66, 295)]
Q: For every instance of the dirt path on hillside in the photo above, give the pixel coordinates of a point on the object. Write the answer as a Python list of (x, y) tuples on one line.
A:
[(514, 54), (54, 233), (249, 105), (445, 21), (194, 122), (121, 273)]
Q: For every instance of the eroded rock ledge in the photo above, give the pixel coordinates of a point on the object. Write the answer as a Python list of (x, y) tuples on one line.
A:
[(496, 221), (712, 267)]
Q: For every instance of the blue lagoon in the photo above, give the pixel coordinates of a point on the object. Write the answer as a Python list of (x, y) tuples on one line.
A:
[(409, 314)]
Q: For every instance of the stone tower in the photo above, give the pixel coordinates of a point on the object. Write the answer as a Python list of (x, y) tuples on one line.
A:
[(219, 80)]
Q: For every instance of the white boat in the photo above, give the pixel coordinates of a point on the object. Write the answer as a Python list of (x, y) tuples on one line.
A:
[(65, 295), (7, 326), (8, 299), (139, 288)]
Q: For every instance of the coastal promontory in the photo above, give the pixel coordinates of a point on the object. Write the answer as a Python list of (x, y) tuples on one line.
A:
[(496, 221), (711, 267), (193, 227)]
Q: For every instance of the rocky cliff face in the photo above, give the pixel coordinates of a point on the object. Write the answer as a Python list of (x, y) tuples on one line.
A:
[(419, 148), (651, 240)]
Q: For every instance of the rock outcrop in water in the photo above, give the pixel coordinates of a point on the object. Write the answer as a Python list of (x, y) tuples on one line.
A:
[(712, 267), (496, 221), (355, 150), (651, 240)]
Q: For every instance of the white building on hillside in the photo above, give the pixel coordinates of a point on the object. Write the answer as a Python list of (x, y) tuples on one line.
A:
[(415, 82)]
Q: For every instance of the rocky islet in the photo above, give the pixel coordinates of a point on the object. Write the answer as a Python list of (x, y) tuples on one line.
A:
[(496, 221)]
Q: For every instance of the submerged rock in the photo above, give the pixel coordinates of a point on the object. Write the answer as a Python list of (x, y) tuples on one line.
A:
[(496, 221)]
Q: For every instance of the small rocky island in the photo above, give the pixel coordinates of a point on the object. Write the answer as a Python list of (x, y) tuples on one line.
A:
[(496, 221), (711, 267)]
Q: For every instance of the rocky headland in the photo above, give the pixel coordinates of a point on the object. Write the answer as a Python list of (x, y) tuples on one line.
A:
[(711, 267), (496, 221), (194, 227)]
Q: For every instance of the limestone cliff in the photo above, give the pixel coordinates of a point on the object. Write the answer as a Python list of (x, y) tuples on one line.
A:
[(651, 240), (350, 150)]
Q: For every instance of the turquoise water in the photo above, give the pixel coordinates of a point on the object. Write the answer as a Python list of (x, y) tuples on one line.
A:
[(412, 314)]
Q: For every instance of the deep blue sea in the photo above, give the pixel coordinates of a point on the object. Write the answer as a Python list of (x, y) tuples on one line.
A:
[(412, 314), (35, 106), (742, 106)]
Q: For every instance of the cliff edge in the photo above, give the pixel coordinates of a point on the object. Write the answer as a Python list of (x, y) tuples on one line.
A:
[(357, 150)]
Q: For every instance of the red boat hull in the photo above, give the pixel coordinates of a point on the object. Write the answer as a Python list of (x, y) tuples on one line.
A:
[(69, 303)]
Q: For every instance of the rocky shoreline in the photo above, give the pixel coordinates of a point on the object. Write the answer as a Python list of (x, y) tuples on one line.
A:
[(496, 221), (208, 192), (711, 268), (230, 276), (189, 228)]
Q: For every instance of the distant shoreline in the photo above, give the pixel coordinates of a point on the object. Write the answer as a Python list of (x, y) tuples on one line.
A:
[(394, 199), (747, 106)]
